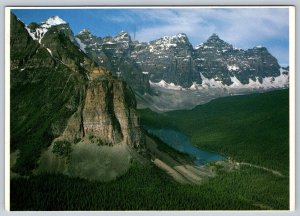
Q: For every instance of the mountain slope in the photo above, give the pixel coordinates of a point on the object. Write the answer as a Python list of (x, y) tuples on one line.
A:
[(54, 89), (39, 110)]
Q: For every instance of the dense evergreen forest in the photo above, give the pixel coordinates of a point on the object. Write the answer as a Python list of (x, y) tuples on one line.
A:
[(251, 128), (148, 188)]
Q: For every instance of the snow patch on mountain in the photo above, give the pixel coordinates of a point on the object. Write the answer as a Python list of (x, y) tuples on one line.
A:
[(281, 81), (164, 84), (38, 34), (232, 67), (83, 31), (82, 46), (211, 83), (122, 36), (277, 82), (235, 82), (109, 42), (199, 46), (194, 86), (49, 51)]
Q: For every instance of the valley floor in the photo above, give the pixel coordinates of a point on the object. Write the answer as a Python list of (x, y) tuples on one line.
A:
[(183, 172)]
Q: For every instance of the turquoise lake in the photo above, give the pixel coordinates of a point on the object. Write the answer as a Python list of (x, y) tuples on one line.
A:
[(182, 143)]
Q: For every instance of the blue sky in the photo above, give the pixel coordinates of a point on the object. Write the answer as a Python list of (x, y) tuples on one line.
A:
[(242, 27)]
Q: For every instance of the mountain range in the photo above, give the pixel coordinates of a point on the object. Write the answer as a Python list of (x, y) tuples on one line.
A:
[(85, 89), (173, 60)]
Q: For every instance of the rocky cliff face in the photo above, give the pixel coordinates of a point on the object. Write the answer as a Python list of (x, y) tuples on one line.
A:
[(218, 60), (174, 60), (60, 97), (169, 59), (109, 113), (114, 53)]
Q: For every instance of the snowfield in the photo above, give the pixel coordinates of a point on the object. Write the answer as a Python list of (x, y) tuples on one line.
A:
[(168, 96), (281, 81)]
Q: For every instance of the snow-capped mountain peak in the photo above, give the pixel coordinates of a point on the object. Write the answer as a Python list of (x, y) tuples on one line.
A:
[(259, 47), (55, 20), (122, 36), (38, 31), (178, 38), (169, 42), (84, 31)]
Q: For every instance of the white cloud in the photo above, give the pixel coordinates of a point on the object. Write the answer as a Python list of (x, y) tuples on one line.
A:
[(250, 26), (239, 26), (242, 27)]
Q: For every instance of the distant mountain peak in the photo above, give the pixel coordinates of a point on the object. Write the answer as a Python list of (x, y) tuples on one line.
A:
[(180, 38), (180, 35), (215, 41), (214, 37), (123, 32), (84, 31), (37, 31), (123, 35), (177, 36), (55, 20), (260, 47)]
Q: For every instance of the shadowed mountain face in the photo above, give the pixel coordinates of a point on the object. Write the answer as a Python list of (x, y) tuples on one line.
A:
[(115, 54), (219, 60), (60, 97)]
